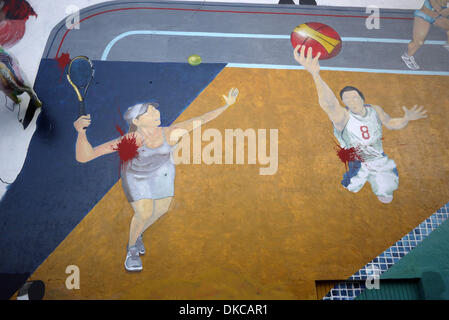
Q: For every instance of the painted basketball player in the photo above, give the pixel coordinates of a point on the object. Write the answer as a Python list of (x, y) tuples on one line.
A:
[(359, 126)]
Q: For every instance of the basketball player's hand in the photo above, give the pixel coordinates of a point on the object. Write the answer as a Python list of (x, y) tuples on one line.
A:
[(310, 64), (415, 113), (232, 96), (82, 123)]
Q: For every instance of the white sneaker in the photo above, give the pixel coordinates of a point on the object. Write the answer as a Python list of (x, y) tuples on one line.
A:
[(133, 262), (386, 199), (410, 61)]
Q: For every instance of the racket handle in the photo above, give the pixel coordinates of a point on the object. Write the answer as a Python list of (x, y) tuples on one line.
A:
[(82, 109)]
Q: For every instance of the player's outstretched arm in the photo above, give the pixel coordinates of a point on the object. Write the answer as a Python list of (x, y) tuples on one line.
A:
[(84, 151), (414, 113), (188, 125), (327, 99)]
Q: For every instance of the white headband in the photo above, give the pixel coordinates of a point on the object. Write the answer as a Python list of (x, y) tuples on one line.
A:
[(134, 111)]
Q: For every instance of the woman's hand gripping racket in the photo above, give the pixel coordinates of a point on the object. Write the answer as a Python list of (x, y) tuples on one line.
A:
[(80, 74)]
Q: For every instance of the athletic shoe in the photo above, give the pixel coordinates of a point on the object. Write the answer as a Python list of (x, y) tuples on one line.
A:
[(133, 262), (386, 199), (139, 245), (410, 61)]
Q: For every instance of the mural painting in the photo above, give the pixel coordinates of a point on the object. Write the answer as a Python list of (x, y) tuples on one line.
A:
[(268, 114)]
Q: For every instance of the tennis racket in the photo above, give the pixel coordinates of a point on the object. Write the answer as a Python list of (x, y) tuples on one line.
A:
[(80, 73)]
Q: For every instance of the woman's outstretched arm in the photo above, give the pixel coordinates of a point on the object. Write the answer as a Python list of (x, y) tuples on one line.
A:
[(84, 150), (191, 124)]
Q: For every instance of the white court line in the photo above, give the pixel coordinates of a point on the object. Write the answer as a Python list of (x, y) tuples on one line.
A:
[(294, 67), (108, 48)]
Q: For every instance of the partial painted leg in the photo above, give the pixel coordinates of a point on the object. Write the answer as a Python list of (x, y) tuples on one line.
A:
[(355, 178), (420, 31), (385, 182), (161, 206), (143, 211)]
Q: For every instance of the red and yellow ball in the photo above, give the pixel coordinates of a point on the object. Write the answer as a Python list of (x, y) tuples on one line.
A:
[(321, 37)]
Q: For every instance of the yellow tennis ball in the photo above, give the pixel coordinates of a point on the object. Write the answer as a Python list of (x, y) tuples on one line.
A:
[(194, 60)]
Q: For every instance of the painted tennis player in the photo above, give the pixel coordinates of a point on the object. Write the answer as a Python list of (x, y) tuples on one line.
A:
[(359, 126), (148, 179)]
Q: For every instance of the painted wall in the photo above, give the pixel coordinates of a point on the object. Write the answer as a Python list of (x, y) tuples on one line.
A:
[(29, 52), (228, 234)]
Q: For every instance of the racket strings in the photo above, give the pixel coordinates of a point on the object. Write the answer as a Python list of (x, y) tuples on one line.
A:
[(81, 72)]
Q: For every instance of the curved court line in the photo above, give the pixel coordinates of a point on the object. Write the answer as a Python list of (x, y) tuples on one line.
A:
[(220, 11)]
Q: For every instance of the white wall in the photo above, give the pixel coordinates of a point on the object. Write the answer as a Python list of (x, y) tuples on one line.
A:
[(14, 140)]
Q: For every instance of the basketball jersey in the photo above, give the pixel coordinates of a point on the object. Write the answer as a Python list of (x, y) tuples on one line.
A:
[(362, 133)]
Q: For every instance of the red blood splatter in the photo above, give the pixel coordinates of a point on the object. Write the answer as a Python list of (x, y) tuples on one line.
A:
[(346, 155), (126, 148), (18, 10), (63, 61), (119, 130)]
